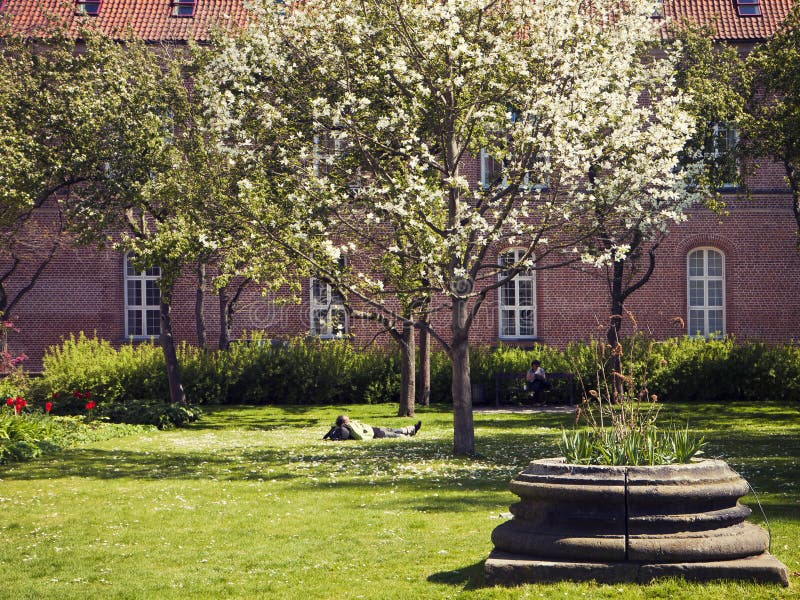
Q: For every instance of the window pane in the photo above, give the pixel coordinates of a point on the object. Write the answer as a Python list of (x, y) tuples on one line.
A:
[(697, 293), (697, 322), (715, 322), (134, 322), (319, 292), (526, 322), (507, 258), (525, 292), (153, 322), (715, 292), (492, 171), (317, 322), (152, 293), (714, 264), (153, 272), (129, 267), (507, 324), (696, 263), (337, 321), (134, 293), (508, 295)]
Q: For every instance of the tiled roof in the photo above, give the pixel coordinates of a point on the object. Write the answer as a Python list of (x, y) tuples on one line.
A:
[(723, 17), (150, 20)]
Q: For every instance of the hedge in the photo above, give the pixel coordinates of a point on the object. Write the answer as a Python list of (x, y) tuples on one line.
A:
[(314, 372)]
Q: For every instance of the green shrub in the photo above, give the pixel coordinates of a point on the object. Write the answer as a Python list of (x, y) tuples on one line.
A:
[(314, 372), (308, 372), (163, 415), (32, 434), (697, 370), (109, 375)]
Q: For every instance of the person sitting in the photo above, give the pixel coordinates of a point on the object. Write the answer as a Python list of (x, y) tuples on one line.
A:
[(347, 429), (536, 381)]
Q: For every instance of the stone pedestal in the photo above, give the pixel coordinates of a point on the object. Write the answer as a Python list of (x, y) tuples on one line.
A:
[(629, 524)]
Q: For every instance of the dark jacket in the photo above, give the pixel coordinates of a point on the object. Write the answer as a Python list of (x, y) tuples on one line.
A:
[(337, 433)]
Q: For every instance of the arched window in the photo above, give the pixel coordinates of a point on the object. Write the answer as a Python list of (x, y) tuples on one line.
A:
[(142, 300), (517, 300), (706, 286)]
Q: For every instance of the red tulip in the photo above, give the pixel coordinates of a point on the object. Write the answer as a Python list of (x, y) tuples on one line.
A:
[(90, 405), (48, 406), (10, 402)]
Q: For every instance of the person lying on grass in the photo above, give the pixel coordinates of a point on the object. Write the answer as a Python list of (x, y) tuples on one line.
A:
[(345, 429)]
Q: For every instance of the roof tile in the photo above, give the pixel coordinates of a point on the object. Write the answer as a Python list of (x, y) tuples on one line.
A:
[(152, 20), (723, 17)]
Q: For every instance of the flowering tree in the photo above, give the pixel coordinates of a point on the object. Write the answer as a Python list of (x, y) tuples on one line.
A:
[(774, 130), (379, 109)]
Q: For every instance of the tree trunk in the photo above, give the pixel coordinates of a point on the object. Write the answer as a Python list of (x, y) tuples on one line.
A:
[(176, 393), (423, 389), (227, 308), (613, 334), (199, 302), (407, 364), (224, 321), (463, 427)]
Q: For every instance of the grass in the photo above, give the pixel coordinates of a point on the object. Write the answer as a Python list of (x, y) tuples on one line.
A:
[(250, 503)]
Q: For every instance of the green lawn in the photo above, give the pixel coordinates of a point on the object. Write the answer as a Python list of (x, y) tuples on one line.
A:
[(250, 503)]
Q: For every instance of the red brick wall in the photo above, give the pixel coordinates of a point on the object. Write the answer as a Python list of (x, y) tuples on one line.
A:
[(82, 289)]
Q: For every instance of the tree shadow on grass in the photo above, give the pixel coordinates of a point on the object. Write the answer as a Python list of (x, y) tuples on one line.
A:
[(468, 578), (524, 421)]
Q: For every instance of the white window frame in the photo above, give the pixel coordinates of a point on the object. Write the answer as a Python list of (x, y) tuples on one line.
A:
[(705, 278), (141, 278), (529, 276), (485, 159), (486, 183), (328, 302)]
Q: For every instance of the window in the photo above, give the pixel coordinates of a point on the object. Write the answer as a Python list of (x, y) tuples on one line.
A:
[(334, 156), (142, 299), (491, 171), (725, 137), (706, 287), (328, 316), (183, 8), (748, 8), (658, 12), (517, 300), (90, 8), (492, 174)]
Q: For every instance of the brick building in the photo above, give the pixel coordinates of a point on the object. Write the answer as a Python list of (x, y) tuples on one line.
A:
[(737, 273)]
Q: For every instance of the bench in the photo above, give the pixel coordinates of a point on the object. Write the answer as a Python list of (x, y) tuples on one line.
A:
[(516, 392)]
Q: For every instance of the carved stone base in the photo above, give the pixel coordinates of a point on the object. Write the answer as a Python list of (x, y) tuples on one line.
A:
[(502, 568), (630, 524)]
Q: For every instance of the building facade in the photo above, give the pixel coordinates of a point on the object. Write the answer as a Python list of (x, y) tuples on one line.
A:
[(736, 273)]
